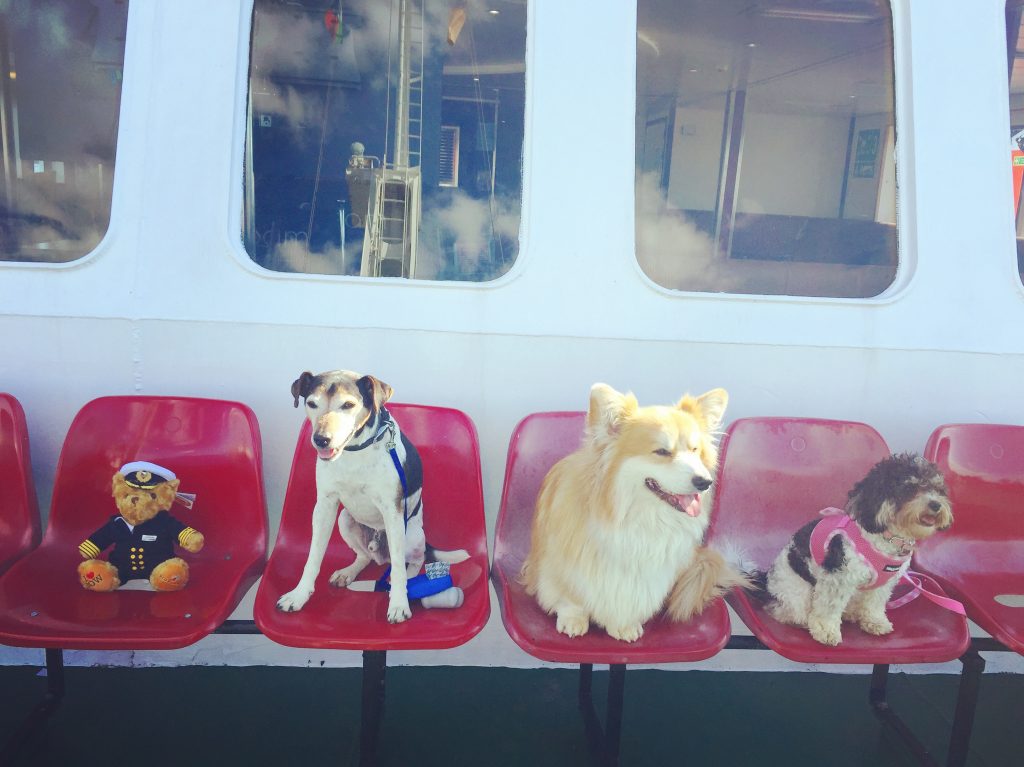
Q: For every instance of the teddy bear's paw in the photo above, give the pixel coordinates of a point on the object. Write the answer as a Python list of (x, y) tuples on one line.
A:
[(193, 542), (294, 600), (98, 575), (171, 575)]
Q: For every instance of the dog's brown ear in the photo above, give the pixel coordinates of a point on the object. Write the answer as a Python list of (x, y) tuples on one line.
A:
[(607, 410), (712, 406), (301, 386), (375, 392)]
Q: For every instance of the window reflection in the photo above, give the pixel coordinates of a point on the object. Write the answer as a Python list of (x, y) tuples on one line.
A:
[(60, 91), (385, 137), (765, 146), (1015, 60)]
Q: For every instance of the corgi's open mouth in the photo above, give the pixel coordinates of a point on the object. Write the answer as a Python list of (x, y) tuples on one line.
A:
[(688, 503)]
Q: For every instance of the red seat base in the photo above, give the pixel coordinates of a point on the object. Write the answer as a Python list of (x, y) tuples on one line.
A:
[(664, 641), (922, 633)]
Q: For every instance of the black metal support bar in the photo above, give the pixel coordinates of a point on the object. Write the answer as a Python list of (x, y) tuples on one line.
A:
[(237, 627), (603, 741), (375, 663), (43, 710), (586, 683), (591, 724), (613, 716), (966, 703), (744, 642), (880, 705)]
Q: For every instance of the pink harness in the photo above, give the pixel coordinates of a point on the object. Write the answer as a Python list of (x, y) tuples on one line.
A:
[(883, 567), (837, 522)]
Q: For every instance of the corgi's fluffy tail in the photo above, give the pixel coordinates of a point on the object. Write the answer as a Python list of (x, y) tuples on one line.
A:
[(451, 557), (708, 577)]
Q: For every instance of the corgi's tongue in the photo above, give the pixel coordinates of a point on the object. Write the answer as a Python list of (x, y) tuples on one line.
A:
[(688, 503)]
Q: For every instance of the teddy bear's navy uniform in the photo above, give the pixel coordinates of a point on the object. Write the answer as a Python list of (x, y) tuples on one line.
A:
[(137, 550)]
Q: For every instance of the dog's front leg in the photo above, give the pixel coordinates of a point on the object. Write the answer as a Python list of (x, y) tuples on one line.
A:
[(324, 513), (870, 610), (827, 604), (355, 536), (398, 599)]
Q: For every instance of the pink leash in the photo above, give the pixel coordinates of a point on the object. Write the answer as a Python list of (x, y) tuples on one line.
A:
[(917, 589)]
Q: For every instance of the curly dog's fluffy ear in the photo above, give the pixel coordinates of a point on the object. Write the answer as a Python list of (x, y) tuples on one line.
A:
[(887, 486)]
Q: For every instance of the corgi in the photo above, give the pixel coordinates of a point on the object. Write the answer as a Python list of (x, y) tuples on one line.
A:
[(618, 527)]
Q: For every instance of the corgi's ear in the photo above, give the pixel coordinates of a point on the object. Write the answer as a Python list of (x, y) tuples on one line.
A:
[(712, 407), (607, 409)]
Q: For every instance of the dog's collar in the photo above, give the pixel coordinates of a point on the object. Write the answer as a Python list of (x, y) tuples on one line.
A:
[(906, 545), (384, 426)]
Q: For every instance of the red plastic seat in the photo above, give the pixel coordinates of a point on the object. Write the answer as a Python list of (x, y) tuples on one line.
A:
[(214, 448), (537, 443), (981, 558), (343, 619), (775, 475), (19, 510)]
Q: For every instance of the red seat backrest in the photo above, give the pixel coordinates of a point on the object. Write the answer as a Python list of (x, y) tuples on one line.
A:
[(984, 469), (776, 474), (19, 510), (213, 446), (538, 442)]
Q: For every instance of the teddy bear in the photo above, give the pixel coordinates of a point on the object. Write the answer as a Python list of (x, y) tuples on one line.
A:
[(143, 533)]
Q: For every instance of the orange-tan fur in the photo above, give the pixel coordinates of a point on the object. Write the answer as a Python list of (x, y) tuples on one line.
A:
[(605, 548)]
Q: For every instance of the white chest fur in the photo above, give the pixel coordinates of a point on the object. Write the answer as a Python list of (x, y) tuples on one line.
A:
[(363, 481), (638, 559)]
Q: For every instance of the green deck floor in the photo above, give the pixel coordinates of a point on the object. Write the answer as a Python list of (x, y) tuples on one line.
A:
[(296, 717)]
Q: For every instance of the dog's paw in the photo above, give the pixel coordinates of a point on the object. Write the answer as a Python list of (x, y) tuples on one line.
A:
[(878, 627), (398, 609), (826, 633), (294, 600), (341, 578), (572, 625), (627, 633)]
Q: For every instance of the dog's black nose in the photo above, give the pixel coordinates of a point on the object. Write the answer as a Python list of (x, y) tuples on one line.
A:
[(934, 505), (701, 483), (321, 440)]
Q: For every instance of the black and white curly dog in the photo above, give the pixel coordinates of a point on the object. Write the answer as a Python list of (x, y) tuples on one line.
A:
[(845, 565)]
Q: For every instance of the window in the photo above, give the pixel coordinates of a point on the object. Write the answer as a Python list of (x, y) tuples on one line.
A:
[(385, 137), (765, 146), (60, 92), (1015, 60)]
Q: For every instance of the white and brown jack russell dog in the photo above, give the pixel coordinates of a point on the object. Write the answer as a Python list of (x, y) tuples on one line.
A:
[(367, 465)]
